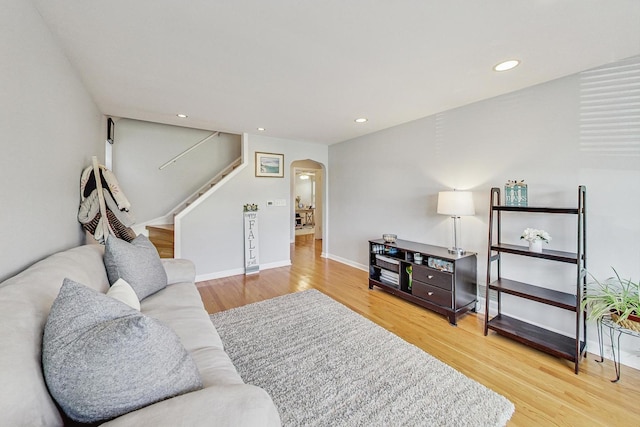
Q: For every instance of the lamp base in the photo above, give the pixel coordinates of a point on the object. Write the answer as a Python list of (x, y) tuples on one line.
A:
[(457, 251)]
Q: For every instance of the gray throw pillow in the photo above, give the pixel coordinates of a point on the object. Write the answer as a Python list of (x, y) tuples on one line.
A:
[(138, 263), (102, 359)]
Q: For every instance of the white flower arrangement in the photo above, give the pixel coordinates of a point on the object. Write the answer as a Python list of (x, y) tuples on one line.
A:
[(532, 235)]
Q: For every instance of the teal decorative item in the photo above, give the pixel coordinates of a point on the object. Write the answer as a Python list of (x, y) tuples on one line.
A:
[(515, 193)]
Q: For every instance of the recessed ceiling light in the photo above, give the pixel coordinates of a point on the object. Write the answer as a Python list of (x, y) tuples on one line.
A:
[(261, 129), (361, 120), (507, 65), (182, 116)]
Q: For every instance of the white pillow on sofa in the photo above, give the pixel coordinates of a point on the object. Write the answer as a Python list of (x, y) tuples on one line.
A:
[(122, 291), (102, 359)]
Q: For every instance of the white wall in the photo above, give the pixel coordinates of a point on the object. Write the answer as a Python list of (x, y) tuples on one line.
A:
[(141, 147), (212, 233), (49, 129), (389, 182)]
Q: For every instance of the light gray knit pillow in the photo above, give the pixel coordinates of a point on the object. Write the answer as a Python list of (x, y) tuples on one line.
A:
[(138, 263), (102, 359)]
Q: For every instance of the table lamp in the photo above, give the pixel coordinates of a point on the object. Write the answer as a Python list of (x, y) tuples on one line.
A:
[(456, 204)]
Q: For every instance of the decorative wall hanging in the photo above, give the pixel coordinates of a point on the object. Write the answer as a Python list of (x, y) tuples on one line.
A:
[(270, 165)]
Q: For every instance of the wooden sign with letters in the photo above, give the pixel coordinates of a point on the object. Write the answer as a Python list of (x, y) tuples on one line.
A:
[(251, 259)]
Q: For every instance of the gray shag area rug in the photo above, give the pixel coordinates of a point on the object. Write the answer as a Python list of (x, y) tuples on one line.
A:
[(325, 365)]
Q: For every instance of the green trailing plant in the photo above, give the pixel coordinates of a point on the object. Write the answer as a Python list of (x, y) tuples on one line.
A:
[(613, 295)]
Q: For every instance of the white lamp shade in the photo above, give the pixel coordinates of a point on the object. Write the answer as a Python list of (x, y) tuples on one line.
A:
[(456, 203)]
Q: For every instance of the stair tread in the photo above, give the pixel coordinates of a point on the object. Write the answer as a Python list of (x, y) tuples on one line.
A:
[(162, 227)]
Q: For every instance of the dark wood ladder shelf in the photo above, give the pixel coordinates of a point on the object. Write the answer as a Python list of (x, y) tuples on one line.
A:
[(534, 336), (534, 209), (536, 293), (561, 256), (567, 347)]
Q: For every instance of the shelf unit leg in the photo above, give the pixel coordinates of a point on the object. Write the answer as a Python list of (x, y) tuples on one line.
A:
[(616, 356), (600, 342)]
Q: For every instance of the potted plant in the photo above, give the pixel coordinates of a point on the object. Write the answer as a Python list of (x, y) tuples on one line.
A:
[(535, 238), (615, 297)]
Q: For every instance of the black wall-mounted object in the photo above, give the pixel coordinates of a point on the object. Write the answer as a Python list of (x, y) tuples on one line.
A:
[(110, 130)]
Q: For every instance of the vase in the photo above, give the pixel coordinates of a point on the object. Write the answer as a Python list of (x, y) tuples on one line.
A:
[(535, 246)]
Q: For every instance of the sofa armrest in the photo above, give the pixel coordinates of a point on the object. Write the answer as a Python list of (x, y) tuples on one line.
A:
[(224, 405), (179, 270)]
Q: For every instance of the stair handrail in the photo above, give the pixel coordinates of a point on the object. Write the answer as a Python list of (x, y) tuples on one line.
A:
[(188, 150), (206, 187)]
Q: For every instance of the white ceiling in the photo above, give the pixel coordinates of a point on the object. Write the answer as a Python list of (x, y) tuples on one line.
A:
[(305, 69)]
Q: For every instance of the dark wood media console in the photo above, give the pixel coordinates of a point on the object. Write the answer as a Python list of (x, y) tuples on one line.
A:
[(443, 282)]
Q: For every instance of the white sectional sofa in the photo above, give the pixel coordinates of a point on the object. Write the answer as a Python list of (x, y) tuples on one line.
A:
[(25, 302)]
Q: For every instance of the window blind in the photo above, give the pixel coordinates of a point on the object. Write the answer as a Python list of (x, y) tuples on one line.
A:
[(610, 109)]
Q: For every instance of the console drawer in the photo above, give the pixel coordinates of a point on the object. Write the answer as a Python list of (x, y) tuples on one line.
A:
[(433, 277), (432, 294)]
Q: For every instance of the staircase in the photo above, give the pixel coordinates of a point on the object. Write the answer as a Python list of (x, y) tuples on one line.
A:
[(207, 188), (162, 238), (163, 235)]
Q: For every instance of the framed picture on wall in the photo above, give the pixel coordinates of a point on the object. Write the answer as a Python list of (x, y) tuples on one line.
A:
[(270, 165)]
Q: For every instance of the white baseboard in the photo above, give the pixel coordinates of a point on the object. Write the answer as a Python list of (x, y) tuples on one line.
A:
[(142, 227), (239, 271), (347, 262), (219, 274), (277, 264)]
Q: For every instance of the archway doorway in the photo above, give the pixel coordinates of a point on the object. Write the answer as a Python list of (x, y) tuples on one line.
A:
[(307, 199)]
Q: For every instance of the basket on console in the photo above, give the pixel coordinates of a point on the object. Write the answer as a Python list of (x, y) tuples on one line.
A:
[(388, 263)]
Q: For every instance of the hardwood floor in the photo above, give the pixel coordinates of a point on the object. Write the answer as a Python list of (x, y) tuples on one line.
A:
[(543, 388)]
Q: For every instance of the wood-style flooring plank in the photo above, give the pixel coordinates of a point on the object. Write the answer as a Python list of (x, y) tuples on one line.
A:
[(543, 388)]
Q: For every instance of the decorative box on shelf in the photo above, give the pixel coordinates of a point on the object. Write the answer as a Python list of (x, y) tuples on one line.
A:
[(515, 193)]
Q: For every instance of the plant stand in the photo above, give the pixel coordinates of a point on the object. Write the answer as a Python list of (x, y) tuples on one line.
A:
[(615, 346)]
